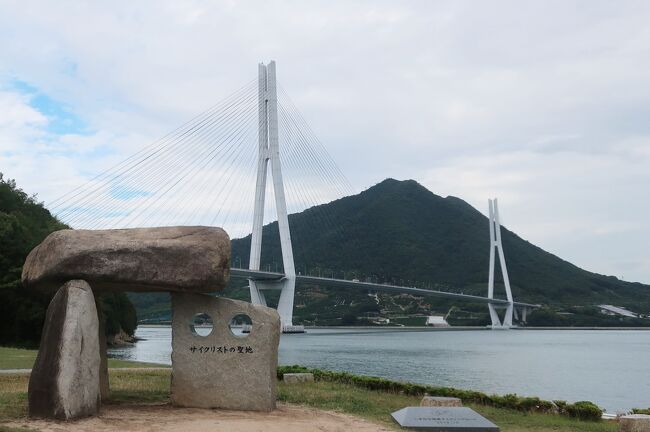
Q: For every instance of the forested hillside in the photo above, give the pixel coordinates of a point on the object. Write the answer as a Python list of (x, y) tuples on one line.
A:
[(399, 232), (24, 223)]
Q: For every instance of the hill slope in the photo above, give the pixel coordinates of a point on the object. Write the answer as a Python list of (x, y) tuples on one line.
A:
[(399, 232), (24, 223)]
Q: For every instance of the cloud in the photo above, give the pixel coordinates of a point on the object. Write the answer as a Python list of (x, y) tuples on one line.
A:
[(586, 208), (543, 104)]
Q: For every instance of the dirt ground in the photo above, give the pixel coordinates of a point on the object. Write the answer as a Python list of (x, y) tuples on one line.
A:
[(164, 418)]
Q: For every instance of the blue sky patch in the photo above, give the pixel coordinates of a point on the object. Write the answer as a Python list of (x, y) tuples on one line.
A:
[(125, 193), (61, 120)]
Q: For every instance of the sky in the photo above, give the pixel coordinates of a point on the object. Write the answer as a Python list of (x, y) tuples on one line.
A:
[(543, 104)]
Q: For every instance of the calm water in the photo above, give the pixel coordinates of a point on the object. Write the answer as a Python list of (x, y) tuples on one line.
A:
[(610, 368)]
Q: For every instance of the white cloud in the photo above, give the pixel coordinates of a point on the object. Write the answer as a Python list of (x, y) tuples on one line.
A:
[(544, 104), (19, 122)]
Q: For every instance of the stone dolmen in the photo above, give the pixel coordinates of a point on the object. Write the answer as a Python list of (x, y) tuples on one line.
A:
[(223, 369)]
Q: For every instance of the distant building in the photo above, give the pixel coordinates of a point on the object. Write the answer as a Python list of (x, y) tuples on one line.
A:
[(437, 321), (616, 310)]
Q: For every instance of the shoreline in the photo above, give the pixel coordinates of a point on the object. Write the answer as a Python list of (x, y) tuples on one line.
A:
[(457, 328)]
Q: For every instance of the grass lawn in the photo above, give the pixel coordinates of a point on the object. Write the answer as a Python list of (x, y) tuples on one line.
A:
[(17, 358), (377, 406), (141, 386)]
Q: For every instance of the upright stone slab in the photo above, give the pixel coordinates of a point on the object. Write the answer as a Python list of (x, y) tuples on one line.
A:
[(104, 386), (64, 383), (223, 370)]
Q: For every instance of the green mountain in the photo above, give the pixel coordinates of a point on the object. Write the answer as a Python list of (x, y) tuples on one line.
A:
[(24, 223), (399, 232)]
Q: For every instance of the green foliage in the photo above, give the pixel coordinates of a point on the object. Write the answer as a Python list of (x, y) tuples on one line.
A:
[(19, 358), (399, 232), (645, 411), (580, 316), (140, 388), (118, 313), (581, 410), (546, 316), (584, 410), (24, 223), (152, 307)]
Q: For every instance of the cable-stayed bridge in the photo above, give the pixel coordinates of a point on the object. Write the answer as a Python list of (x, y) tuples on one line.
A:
[(213, 170)]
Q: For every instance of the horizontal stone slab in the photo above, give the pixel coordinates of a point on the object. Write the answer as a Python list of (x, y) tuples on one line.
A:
[(181, 259)]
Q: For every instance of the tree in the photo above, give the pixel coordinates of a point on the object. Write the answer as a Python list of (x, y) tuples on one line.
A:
[(24, 223)]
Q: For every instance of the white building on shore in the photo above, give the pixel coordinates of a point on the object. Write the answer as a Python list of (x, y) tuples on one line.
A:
[(436, 321)]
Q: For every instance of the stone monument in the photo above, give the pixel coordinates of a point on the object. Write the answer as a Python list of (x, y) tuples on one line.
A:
[(177, 259), (223, 369), (64, 382), (70, 375), (443, 419)]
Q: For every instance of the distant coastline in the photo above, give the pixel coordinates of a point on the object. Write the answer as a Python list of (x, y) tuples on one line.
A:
[(423, 328)]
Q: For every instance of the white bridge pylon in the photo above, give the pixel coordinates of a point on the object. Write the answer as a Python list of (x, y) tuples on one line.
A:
[(269, 152), (496, 245)]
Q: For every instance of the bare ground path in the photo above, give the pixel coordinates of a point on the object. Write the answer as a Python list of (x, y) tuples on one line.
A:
[(165, 418)]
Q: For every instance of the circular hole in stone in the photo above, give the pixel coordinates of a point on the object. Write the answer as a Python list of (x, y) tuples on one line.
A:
[(241, 325), (201, 324)]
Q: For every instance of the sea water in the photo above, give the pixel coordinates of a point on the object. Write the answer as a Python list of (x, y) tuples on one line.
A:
[(608, 367)]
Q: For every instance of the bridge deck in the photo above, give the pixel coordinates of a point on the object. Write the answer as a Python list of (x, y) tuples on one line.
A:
[(314, 280)]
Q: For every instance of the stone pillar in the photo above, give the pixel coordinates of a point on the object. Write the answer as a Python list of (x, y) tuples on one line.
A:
[(64, 383), (104, 386), (223, 369)]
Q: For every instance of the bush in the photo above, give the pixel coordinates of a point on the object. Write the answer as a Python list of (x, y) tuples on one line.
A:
[(582, 410), (641, 411)]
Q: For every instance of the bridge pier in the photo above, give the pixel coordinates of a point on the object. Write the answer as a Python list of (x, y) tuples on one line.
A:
[(507, 322), (524, 314), (497, 246), (269, 152)]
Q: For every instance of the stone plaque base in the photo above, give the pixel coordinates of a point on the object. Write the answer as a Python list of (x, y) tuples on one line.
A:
[(634, 423), (224, 369), (298, 378), (437, 401), (448, 419)]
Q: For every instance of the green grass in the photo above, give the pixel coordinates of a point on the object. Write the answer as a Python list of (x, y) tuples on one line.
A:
[(13, 396), (113, 363), (18, 358), (150, 387), (139, 386), (377, 406)]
